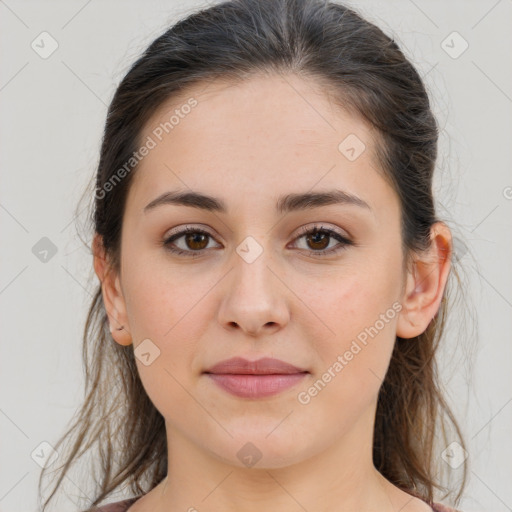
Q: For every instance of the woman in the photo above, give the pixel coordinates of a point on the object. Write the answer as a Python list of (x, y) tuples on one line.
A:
[(273, 276)]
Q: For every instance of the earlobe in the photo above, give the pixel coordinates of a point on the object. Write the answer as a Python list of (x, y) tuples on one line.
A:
[(112, 294), (425, 285)]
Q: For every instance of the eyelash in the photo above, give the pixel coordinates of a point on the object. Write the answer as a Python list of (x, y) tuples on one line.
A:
[(303, 232)]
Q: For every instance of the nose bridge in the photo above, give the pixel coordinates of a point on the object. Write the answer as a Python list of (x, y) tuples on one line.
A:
[(254, 297), (252, 277)]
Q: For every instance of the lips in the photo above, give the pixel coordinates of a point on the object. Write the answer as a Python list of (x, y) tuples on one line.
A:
[(255, 379), (263, 366)]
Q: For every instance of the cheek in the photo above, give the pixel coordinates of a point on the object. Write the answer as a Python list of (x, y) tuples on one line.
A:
[(356, 328), (157, 295), (360, 313), (353, 360), (165, 310), (171, 308)]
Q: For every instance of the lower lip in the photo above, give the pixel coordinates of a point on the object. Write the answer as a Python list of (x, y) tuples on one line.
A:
[(255, 386)]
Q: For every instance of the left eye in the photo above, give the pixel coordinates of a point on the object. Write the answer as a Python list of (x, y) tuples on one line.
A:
[(196, 241), (319, 239)]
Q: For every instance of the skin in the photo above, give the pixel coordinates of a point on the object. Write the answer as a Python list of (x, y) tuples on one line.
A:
[(249, 143)]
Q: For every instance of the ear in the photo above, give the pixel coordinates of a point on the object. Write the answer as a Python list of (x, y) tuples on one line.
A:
[(425, 284), (112, 294)]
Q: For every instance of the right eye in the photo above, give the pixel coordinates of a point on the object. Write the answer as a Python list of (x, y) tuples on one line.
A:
[(195, 242)]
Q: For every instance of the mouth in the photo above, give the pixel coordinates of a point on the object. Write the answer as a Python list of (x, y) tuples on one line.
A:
[(255, 379)]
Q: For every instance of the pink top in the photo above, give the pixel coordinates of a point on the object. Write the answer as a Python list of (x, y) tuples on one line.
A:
[(122, 506)]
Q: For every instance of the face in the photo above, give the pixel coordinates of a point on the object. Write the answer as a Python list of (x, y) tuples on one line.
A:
[(255, 280)]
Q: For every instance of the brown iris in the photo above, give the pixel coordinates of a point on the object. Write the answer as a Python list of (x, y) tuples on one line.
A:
[(196, 238), (319, 237)]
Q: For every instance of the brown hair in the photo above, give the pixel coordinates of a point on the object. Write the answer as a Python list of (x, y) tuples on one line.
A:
[(367, 72)]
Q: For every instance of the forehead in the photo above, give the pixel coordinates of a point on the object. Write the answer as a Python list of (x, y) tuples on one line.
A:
[(259, 135), (269, 109)]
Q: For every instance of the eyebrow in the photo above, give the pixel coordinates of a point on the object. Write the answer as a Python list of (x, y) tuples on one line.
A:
[(285, 204)]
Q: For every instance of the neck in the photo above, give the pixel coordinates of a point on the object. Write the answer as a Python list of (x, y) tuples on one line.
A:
[(341, 478)]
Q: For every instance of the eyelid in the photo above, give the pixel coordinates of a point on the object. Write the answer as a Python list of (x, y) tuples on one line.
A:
[(184, 229), (321, 226)]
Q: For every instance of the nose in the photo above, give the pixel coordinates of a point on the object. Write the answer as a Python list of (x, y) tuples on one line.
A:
[(255, 297)]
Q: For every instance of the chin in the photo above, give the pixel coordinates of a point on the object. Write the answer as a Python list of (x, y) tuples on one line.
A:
[(266, 447)]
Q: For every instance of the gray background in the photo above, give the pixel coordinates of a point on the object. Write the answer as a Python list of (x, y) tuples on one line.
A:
[(52, 115)]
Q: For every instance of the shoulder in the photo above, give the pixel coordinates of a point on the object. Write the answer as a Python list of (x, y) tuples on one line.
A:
[(439, 507), (118, 506)]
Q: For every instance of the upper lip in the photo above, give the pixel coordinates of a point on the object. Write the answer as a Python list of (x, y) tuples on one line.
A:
[(263, 366)]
